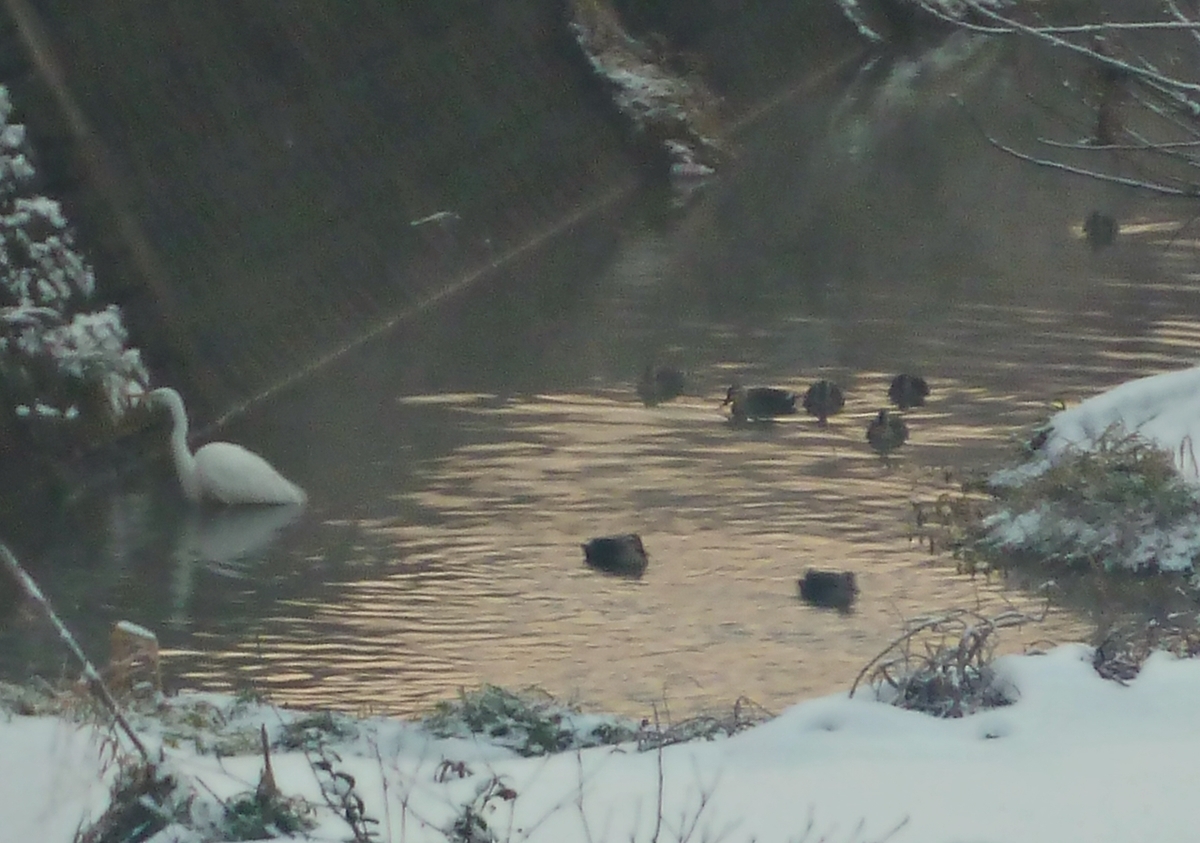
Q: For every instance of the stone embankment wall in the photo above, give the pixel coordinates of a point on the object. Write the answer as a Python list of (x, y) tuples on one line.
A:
[(260, 183)]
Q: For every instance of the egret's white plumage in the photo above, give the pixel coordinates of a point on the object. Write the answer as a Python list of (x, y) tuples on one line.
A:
[(221, 471)]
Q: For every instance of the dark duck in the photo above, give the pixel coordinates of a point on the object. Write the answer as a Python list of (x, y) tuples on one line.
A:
[(656, 385), (1100, 229), (832, 589), (886, 432), (759, 403), (908, 391), (824, 399), (624, 554)]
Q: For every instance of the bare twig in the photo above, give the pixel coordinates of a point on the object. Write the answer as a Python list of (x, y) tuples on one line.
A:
[(1051, 36), (587, 828), (373, 742), (658, 814), (95, 683), (953, 675), (1178, 14), (1191, 191), (1144, 146), (689, 825)]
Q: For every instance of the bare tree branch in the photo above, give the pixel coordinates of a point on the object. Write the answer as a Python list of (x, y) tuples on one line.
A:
[(1047, 35), (1143, 146), (1187, 190), (1174, 9)]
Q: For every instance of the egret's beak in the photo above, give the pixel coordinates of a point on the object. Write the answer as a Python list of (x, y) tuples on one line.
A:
[(144, 401)]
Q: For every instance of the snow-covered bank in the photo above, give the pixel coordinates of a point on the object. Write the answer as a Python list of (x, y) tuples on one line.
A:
[(1163, 410), (671, 109), (1112, 481), (1076, 757)]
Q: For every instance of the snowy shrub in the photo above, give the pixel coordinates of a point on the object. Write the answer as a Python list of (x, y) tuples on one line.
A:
[(1120, 503), (61, 358)]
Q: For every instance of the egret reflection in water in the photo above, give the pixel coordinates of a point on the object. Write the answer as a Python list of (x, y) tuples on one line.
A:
[(224, 541)]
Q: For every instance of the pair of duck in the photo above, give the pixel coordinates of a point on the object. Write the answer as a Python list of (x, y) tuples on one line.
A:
[(761, 403), (888, 431), (823, 399), (625, 555)]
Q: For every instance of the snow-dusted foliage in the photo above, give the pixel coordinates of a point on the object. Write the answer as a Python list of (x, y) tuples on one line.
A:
[(1113, 481), (58, 348)]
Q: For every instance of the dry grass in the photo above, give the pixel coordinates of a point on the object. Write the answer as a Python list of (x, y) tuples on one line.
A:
[(745, 714), (530, 721), (1122, 648), (1122, 470), (943, 665)]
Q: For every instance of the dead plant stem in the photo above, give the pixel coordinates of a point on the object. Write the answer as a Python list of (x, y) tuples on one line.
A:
[(95, 683)]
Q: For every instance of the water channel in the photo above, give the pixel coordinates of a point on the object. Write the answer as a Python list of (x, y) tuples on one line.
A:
[(455, 465)]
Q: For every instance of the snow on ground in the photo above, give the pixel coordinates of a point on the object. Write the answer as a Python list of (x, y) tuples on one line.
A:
[(1077, 757), (1163, 409), (50, 781)]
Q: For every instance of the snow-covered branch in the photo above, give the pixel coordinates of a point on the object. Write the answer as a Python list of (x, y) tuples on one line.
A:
[(60, 349)]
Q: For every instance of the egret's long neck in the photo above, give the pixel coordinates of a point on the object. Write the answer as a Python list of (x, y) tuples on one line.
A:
[(185, 463)]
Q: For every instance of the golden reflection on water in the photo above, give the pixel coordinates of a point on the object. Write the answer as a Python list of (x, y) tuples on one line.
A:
[(491, 586), (478, 576)]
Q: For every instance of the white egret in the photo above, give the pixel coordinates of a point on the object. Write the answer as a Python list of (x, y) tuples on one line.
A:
[(221, 471)]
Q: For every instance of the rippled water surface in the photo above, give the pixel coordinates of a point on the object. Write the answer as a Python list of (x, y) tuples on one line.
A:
[(455, 466)]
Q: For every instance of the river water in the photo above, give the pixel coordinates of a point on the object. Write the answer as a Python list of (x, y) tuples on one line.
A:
[(456, 464)]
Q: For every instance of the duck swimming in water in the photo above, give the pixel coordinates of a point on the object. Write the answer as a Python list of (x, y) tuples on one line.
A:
[(758, 403), (624, 554), (658, 385), (886, 432), (908, 391), (834, 589), (824, 399), (1100, 229)]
